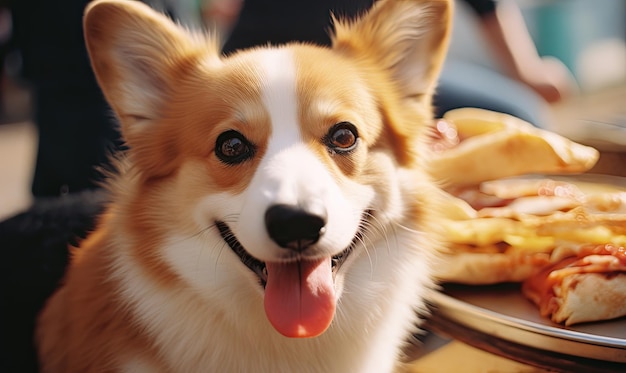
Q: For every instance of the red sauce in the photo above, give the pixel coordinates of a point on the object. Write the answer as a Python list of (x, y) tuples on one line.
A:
[(540, 287)]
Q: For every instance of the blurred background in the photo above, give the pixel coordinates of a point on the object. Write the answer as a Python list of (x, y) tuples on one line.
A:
[(588, 37)]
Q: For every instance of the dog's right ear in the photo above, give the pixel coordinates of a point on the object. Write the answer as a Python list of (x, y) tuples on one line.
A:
[(407, 39), (137, 54)]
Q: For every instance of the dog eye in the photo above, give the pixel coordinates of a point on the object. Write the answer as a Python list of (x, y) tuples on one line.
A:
[(232, 147), (342, 137)]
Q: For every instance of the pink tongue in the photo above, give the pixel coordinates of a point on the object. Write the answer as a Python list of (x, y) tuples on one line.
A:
[(300, 297)]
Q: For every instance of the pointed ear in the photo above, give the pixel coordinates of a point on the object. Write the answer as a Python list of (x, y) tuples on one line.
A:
[(137, 54), (407, 38)]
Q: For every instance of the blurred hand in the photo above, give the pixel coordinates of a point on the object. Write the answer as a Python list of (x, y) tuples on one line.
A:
[(508, 35), (550, 78)]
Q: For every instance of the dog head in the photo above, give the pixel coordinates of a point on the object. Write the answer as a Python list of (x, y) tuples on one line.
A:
[(295, 156)]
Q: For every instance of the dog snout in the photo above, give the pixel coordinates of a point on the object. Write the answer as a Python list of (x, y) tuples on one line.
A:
[(293, 227)]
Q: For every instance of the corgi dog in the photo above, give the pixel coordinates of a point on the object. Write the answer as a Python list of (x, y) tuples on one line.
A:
[(273, 211)]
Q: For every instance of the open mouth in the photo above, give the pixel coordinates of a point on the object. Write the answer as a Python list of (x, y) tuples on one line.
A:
[(299, 296), (259, 267)]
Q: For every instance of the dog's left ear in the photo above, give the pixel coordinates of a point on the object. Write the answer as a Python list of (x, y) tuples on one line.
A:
[(407, 38)]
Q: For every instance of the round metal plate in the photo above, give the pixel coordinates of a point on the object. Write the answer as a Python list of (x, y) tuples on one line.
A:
[(499, 319)]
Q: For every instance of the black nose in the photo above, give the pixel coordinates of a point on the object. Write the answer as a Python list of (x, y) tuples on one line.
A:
[(293, 227)]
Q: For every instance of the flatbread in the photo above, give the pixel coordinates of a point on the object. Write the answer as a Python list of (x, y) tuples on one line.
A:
[(577, 294), (490, 268), (495, 145)]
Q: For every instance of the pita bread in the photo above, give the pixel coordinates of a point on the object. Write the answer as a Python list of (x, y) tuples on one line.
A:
[(583, 297), (495, 145), (472, 268)]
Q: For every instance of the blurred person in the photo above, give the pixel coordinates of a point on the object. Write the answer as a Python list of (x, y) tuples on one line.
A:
[(75, 125), (506, 32), (77, 130), (529, 84), (76, 134)]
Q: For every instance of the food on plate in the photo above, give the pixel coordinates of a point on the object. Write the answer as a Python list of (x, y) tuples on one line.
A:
[(475, 145), (588, 286), (505, 233), (564, 239)]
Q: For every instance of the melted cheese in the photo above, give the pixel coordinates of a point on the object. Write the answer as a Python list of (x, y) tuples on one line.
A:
[(539, 215)]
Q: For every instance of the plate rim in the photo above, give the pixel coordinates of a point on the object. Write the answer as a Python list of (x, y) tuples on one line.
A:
[(469, 315)]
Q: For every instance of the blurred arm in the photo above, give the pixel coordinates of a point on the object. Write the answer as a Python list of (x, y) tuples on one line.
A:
[(508, 36)]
